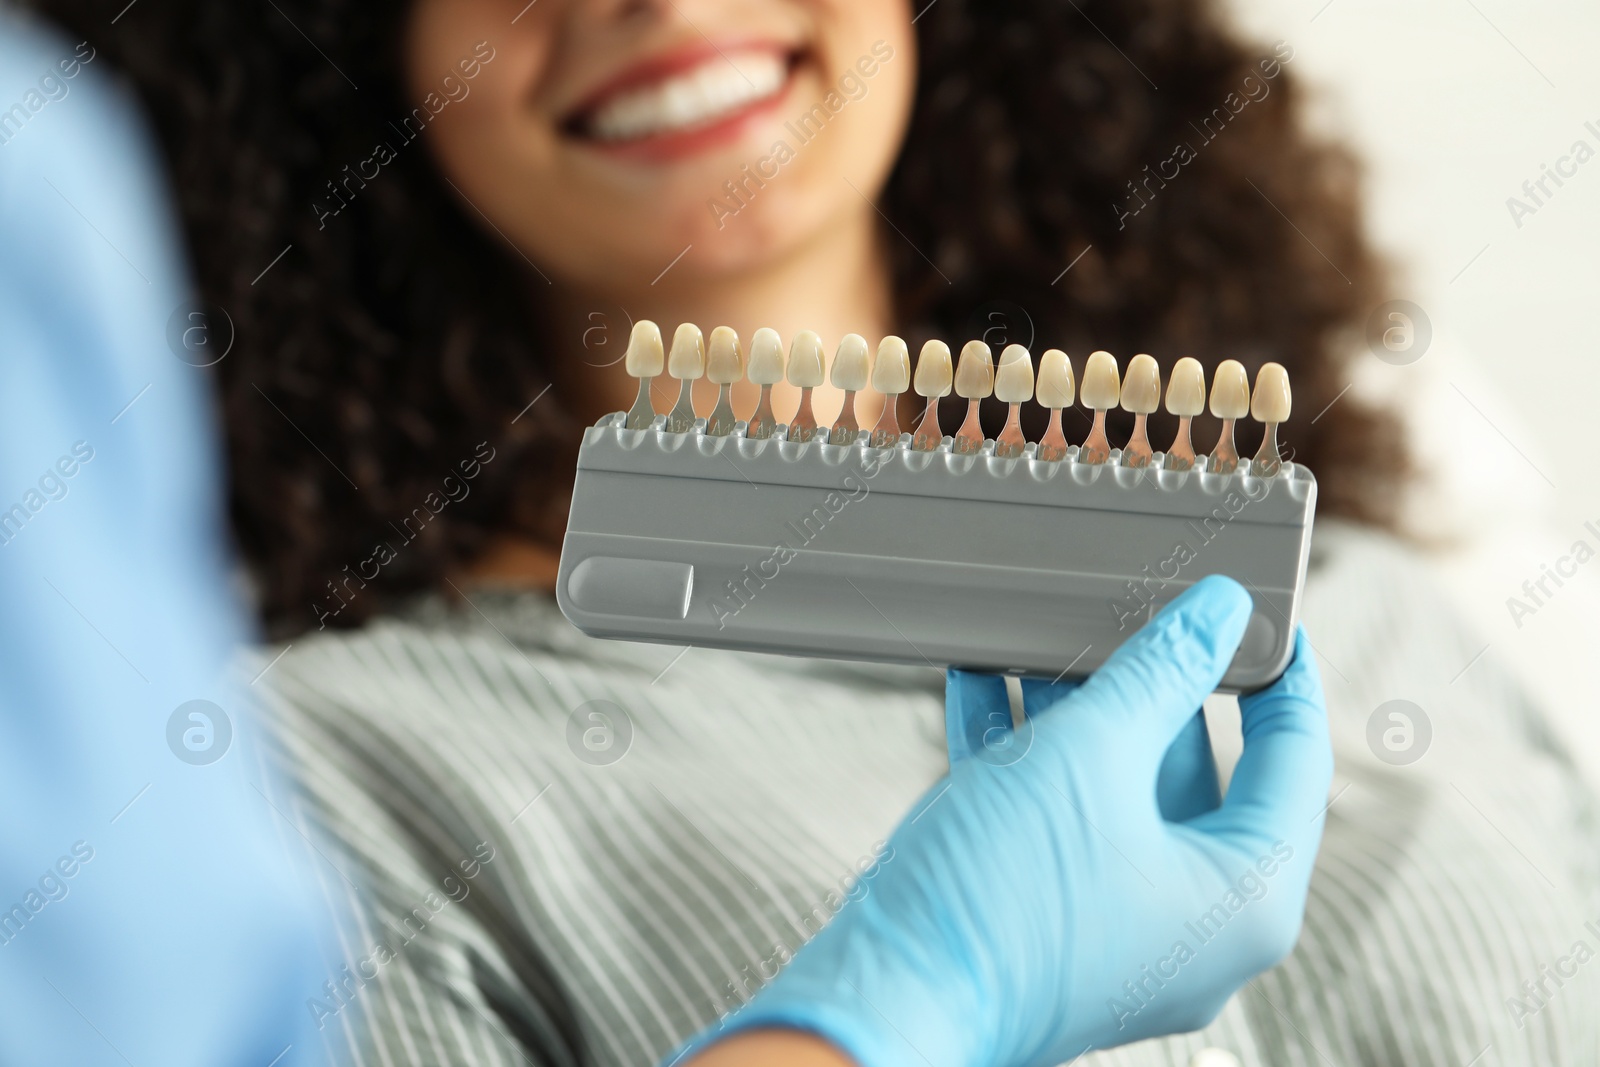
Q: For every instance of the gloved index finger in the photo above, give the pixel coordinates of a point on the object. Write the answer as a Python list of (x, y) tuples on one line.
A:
[(977, 714), (1160, 675)]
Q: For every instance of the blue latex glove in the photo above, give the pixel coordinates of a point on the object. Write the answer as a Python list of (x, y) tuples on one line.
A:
[(153, 909), (1045, 898)]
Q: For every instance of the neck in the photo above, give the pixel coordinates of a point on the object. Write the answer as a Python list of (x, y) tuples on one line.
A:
[(834, 285)]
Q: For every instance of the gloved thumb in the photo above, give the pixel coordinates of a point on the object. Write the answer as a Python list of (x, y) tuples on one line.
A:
[(1151, 685)]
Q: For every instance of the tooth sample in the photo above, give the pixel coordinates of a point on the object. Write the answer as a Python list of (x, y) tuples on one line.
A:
[(1013, 384), (805, 370), (1269, 405), (1055, 392), (1186, 398), (687, 363), (1230, 400), (932, 382), (1099, 394), (1141, 394), (891, 376), (974, 381), (644, 361), (851, 367), (724, 366), (765, 370)]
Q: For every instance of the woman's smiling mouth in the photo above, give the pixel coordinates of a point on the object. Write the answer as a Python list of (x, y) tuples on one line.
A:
[(684, 102)]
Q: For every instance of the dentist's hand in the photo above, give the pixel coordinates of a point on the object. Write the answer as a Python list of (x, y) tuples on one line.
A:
[(1073, 885)]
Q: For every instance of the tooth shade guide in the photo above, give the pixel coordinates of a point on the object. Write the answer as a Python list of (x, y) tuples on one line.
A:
[(719, 362), (986, 514)]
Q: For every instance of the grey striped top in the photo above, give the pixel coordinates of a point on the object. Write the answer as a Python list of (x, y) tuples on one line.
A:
[(557, 850)]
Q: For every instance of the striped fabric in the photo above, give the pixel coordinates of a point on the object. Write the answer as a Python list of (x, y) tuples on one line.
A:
[(518, 896)]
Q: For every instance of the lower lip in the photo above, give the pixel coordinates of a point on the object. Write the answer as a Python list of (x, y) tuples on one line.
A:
[(674, 145)]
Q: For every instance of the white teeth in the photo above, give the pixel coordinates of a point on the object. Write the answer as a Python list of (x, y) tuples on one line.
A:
[(692, 98), (644, 358), (851, 364), (1100, 386), (933, 370), (1186, 389), (891, 371), (975, 371), (1271, 400), (688, 356), (1055, 379), (766, 357), (1013, 380), (724, 359), (1230, 390), (1141, 385), (805, 360)]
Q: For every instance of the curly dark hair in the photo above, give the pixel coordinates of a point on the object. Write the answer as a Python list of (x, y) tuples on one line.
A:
[(398, 340)]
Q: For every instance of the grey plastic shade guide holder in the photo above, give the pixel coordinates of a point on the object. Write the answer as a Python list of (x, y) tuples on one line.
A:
[(1010, 565)]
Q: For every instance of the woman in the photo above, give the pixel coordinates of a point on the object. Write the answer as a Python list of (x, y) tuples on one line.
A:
[(431, 227)]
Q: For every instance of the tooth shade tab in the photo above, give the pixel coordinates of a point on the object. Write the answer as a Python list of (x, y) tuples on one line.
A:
[(1056, 387), (724, 357), (805, 360), (1186, 389), (687, 360), (891, 370), (975, 371), (766, 357), (1230, 390), (1141, 385), (646, 357), (934, 375), (1271, 401), (1100, 386), (851, 364), (1013, 379)]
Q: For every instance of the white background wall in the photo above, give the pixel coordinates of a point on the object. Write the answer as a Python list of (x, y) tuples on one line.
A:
[(1454, 104)]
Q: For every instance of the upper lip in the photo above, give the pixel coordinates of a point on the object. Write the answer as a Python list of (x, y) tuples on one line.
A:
[(664, 65)]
